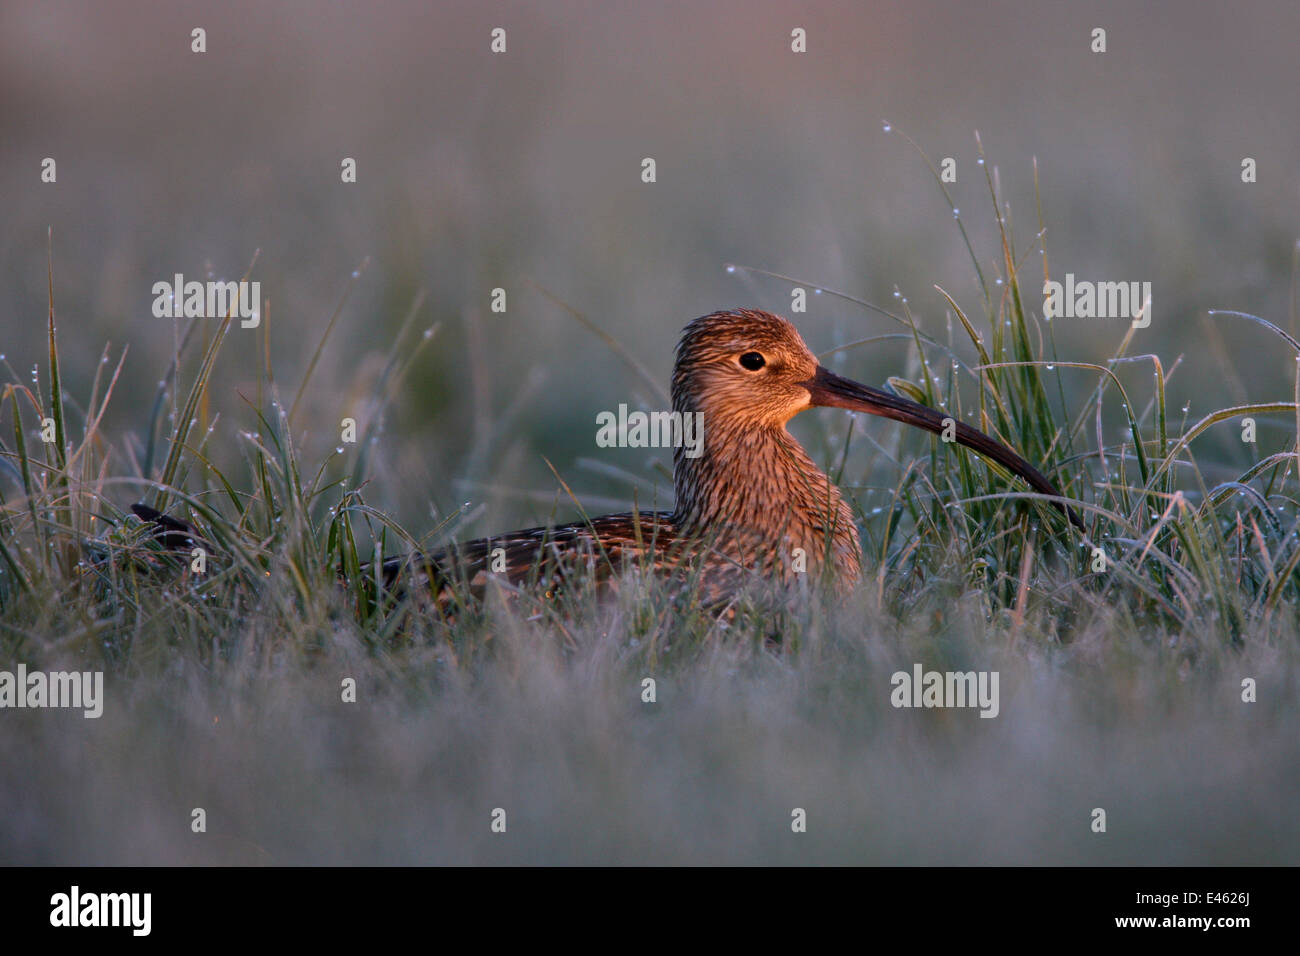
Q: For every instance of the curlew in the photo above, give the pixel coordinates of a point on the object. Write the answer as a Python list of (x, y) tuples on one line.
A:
[(750, 505)]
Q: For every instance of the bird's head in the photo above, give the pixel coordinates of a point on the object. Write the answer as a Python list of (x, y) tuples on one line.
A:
[(743, 368), (747, 369)]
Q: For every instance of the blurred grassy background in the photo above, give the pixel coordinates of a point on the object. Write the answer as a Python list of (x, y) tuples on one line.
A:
[(478, 171)]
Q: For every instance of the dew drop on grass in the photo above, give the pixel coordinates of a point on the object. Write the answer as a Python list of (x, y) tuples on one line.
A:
[(817, 291), (956, 213), (428, 333), (887, 127), (338, 450), (356, 273), (877, 510), (731, 268), (1050, 366), (980, 161), (897, 294), (997, 281)]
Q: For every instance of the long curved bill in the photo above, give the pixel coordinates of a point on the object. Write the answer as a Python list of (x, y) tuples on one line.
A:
[(833, 391)]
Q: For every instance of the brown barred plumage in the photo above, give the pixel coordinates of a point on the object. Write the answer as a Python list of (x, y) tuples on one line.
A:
[(751, 505)]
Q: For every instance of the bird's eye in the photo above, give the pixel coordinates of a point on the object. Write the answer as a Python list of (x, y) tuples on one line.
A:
[(752, 361)]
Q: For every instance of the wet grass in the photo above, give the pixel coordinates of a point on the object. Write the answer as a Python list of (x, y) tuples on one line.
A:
[(1122, 649)]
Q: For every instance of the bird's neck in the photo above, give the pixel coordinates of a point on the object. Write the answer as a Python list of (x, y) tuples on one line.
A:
[(758, 485)]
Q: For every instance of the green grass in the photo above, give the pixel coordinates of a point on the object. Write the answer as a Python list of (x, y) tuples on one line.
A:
[(225, 684)]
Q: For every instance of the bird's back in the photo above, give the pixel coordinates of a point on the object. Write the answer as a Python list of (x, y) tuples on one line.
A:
[(543, 559)]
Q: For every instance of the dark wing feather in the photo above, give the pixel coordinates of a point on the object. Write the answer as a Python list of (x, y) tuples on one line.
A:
[(537, 557)]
